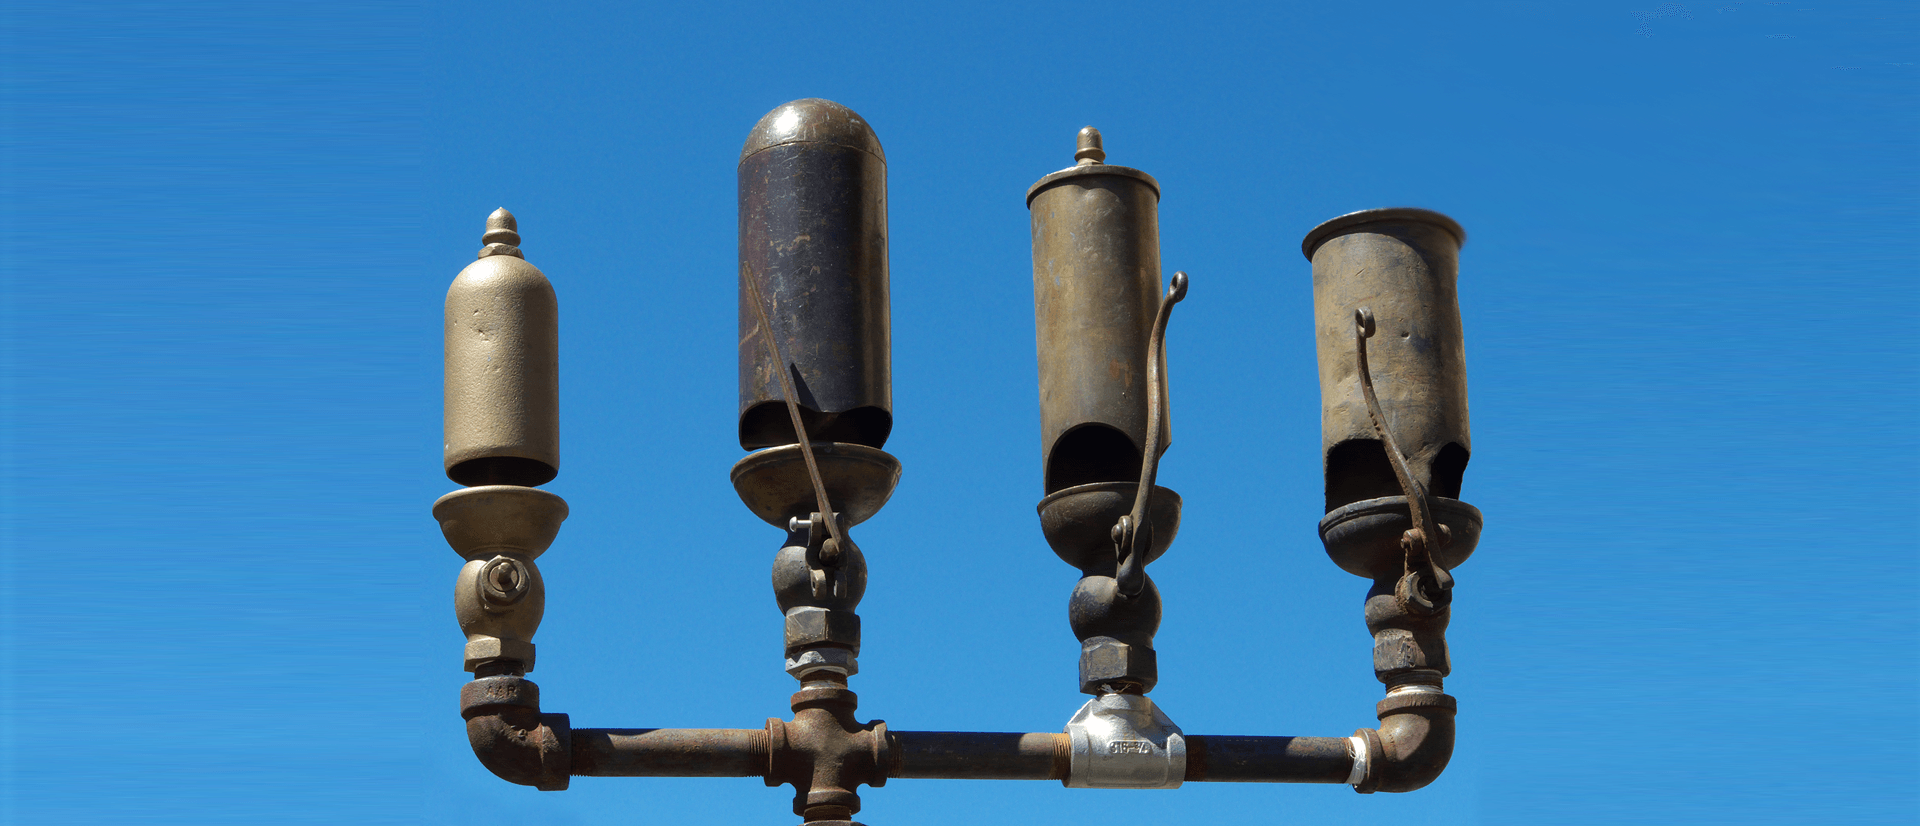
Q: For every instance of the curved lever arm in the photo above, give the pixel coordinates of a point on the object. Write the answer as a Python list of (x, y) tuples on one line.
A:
[(830, 551), (1426, 537), (1133, 534)]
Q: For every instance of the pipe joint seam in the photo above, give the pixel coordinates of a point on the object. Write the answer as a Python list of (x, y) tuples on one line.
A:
[(1124, 741), (1395, 703), (512, 738), (1410, 748)]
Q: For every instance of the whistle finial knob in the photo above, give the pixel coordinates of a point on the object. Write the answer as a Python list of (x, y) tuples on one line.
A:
[(501, 237), (1089, 150), (501, 229)]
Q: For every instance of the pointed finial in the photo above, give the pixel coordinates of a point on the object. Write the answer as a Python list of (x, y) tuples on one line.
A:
[(502, 237), (1089, 151), (501, 229)]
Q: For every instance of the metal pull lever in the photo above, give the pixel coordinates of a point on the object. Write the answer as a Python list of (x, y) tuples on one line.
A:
[(1133, 535), (827, 577), (829, 554), (1425, 537)]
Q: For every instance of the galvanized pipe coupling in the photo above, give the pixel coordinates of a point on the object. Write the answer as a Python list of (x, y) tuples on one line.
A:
[(1124, 741)]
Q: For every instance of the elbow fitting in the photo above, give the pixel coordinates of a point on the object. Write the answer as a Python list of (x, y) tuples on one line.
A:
[(1412, 745), (510, 735)]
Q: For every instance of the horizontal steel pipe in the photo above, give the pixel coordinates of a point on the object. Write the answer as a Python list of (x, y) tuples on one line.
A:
[(971, 755), (951, 755), (669, 752), (1227, 758), (965, 755)]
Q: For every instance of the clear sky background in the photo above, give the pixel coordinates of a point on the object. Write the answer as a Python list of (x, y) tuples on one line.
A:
[(1689, 293)]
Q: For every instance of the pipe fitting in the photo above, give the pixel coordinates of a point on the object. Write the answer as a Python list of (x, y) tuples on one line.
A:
[(510, 735), (499, 596), (810, 627), (825, 754), (1124, 741), (499, 602), (833, 661), (1412, 745), (1409, 645)]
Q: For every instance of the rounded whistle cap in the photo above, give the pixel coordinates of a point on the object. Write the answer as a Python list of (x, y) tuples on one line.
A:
[(812, 120)]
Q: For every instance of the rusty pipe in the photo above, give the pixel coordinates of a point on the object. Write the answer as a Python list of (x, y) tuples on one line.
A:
[(521, 745), (510, 735), (1415, 738), (665, 752), (1242, 759), (1412, 745), (968, 755), (979, 755)]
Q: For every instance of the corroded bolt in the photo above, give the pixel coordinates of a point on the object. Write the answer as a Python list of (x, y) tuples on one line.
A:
[(502, 578)]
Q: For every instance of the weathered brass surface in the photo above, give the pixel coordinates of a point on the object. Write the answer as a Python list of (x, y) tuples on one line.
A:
[(1423, 581), (1078, 523), (813, 308), (1100, 331), (511, 737), (1096, 290), (1403, 263), (813, 232), (1363, 537), (1134, 532), (502, 367), (774, 485), (499, 596), (500, 518)]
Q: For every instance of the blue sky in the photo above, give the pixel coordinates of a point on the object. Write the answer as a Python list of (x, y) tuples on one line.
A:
[(1688, 293)]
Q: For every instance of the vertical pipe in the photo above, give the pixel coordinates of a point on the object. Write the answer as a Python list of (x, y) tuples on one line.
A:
[(1096, 286), (813, 232), (502, 367), (1402, 263)]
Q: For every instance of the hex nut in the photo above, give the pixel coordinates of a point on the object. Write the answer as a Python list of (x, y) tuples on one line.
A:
[(807, 626), (481, 650), (1105, 661), (837, 660), (503, 582), (483, 615), (1397, 650)]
